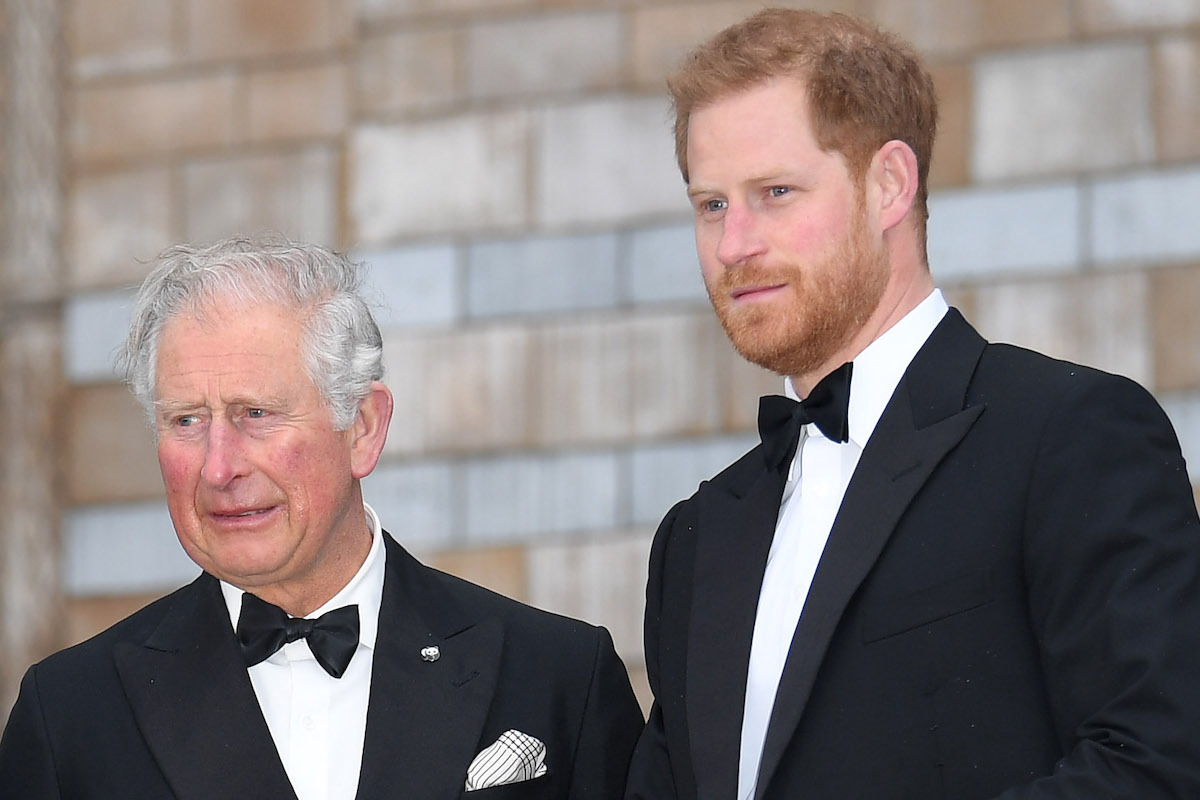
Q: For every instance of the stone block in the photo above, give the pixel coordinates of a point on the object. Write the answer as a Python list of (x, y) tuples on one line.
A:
[(87, 616), (601, 580), (501, 569), (1173, 296), (982, 233), (939, 26), (110, 36), (1100, 320), (110, 454), (676, 375), (742, 383), (950, 165), (118, 223), (375, 11), (293, 193), (544, 53), (582, 381), (416, 286), (1183, 408), (1038, 112), (127, 548), (416, 502), (121, 122), (30, 548), (1108, 16), (425, 178), (1146, 217), (662, 266), (662, 35), (961, 297), (407, 71), (297, 102), (524, 497), (226, 29), (641, 684), (1177, 61), (533, 276), (94, 327), (606, 161), (663, 474), (466, 390)]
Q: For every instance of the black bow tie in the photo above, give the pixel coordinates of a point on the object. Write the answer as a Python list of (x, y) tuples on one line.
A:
[(263, 628), (780, 418)]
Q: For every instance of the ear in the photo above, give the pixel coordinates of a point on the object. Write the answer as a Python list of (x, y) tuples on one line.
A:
[(369, 430), (893, 172)]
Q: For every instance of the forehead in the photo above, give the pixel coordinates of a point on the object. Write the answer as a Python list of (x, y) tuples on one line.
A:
[(770, 120), (232, 349)]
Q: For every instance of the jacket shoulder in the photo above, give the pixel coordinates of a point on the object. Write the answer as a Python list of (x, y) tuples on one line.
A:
[(135, 628)]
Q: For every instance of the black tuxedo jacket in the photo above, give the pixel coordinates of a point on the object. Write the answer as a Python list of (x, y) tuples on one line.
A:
[(1008, 604), (161, 705)]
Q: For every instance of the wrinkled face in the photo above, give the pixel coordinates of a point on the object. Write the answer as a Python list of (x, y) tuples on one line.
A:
[(782, 231), (259, 484)]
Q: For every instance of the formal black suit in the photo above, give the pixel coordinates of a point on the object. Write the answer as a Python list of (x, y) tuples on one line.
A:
[(161, 705), (1008, 604)]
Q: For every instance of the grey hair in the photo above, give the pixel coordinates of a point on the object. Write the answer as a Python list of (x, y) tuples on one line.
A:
[(341, 346)]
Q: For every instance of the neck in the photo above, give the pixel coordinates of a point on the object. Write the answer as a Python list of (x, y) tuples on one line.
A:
[(301, 597), (896, 303)]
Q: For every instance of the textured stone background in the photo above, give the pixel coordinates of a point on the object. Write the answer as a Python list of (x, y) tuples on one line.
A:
[(505, 168)]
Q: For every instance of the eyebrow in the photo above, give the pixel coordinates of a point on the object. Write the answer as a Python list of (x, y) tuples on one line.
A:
[(168, 407), (780, 175)]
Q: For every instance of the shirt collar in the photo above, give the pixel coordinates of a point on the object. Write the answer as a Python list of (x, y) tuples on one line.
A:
[(879, 367), (365, 589)]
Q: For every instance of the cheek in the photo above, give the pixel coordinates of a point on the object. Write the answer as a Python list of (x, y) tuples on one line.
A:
[(178, 469), (314, 471)]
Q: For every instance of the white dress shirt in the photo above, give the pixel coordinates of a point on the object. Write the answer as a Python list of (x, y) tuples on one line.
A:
[(817, 481), (319, 722)]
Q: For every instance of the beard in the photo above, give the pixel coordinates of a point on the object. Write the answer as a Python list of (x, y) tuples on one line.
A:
[(829, 301)]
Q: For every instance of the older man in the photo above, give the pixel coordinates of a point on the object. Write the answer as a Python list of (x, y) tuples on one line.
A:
[(955, 569), (313, 658)]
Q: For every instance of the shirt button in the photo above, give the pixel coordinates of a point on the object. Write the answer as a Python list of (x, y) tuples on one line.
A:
[(308, 723)]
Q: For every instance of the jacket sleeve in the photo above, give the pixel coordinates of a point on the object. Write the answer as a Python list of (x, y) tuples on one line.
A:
[(650, 773), (1112, 544), (611, 721), (26, 760)]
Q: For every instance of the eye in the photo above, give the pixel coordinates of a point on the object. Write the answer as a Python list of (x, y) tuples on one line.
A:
[(778, 191), (186, 420), (256, 413)]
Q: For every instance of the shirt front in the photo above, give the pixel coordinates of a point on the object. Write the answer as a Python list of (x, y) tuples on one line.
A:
[(817, 480), (318, 722)]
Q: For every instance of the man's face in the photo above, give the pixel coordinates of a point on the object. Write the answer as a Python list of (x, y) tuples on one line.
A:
[(259, 485), (782, 231)]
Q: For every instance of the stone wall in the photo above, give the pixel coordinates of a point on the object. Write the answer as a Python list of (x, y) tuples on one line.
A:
[(505, 168)]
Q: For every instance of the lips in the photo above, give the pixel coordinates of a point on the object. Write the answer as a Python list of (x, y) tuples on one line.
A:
[(755, 292), (240, 514)]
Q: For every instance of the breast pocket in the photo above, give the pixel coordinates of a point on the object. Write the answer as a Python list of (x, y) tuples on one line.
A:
[(928, 605), (530, 789)]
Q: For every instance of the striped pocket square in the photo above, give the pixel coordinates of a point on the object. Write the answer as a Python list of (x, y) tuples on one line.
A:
[(512, 758)]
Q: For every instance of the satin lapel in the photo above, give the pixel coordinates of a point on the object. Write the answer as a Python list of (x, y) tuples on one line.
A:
[(732, 543), (192, 698), (923, 422), (425, 717)]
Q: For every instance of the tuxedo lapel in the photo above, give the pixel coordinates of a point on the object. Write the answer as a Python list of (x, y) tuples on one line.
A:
[(425, 716), (737, 524), (192, 698), (924, 420)]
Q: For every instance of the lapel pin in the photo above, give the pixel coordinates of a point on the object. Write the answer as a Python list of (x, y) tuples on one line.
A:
[(430, 654)]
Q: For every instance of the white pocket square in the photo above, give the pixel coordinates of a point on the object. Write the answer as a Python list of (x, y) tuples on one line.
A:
[(512, 758)]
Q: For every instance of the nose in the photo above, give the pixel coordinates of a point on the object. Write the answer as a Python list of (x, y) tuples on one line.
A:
[(223, 458), (740, 238)]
